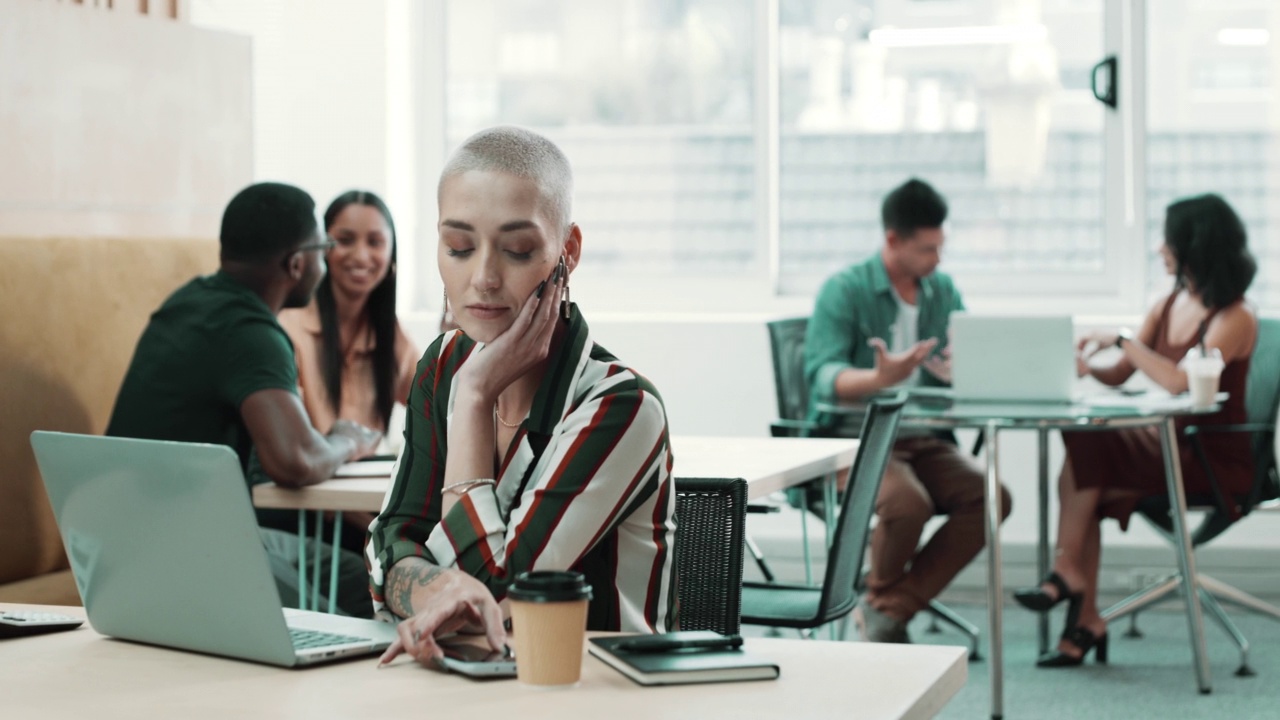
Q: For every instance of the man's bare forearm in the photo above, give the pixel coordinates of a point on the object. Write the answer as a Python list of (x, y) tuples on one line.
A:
[(854, 384), (405, 580)]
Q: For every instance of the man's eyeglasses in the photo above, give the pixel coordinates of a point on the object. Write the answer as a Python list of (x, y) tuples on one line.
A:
[(323, 246)]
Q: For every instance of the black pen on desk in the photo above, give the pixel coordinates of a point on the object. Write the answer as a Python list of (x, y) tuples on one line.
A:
[(656, 645)]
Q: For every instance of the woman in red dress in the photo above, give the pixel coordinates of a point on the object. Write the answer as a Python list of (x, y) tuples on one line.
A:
[(1107, 473)]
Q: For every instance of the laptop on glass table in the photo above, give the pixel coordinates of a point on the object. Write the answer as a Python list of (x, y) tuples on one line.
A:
[(1006, 358), (165, 550)]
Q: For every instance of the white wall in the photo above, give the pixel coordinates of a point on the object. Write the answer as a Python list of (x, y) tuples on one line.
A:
[(115, 123), (319, 89)]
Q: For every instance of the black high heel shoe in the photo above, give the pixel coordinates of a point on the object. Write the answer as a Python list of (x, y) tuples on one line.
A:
[(1037, 599), (1082, 638)]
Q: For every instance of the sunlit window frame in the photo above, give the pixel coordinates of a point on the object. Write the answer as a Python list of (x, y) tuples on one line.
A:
[(1120, 290)]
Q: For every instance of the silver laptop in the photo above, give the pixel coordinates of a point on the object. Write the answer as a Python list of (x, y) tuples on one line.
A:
[(165, 550), (1010, 358)]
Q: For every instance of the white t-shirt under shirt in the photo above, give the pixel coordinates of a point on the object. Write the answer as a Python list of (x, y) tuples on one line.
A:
[(906, 332)]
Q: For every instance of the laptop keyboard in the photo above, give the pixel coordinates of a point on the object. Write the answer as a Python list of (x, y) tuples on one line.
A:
[(310, 639)]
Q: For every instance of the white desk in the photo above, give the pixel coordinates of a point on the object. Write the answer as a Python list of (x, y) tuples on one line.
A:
[(83, 674), (767, 464)]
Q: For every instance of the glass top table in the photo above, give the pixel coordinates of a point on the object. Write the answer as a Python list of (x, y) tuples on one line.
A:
[(1107, 410)]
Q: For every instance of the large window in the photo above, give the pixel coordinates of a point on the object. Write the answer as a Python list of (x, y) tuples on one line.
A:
[(731, 154), (652, 102), (657, 102), (986, 101), (1213, 122)]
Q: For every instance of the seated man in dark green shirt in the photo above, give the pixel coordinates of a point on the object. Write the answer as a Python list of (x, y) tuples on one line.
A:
[(883, 323), (214, 366)]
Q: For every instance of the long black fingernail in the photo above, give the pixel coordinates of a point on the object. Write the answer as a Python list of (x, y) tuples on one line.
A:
[(541, 286)]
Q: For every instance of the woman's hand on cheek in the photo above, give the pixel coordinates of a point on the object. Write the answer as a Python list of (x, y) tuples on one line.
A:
[(520, 347)]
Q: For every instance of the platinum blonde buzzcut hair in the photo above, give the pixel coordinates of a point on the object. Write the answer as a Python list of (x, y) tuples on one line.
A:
[(522, 153)]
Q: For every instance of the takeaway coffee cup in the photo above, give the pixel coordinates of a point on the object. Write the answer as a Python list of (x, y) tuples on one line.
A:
[(1203, 372), (549, 621)]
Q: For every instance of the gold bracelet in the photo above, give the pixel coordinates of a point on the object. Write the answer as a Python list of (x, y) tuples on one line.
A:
[(459, 488)]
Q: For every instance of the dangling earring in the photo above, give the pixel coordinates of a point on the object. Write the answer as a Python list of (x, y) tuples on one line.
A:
[(564, 300)]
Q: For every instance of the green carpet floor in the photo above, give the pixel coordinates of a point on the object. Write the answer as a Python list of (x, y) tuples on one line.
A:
[(1150, 677)]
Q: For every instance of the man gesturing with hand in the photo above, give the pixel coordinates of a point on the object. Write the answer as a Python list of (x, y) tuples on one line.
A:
[(881, 324)]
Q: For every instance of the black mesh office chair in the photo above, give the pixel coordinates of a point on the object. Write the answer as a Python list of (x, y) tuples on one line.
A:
[(805, 607), (1262, 402), (710, 516), (786, 341)]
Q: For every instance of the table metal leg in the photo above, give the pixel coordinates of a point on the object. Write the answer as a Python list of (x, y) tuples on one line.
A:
[(995, 584), (333, 561), (315, 552), (1186, 557), (302, 559), (804, 525), (1042, 547)]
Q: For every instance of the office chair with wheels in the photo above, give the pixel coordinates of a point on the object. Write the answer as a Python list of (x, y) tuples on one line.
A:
[(710, 518), (805, 607), (786, 341), (1262, 402)]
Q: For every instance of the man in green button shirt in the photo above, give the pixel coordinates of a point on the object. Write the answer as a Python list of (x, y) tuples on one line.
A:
[(883, 323), (214, 366)]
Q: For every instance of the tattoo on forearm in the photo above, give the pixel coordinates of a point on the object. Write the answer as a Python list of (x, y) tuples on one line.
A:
[(404, 578)]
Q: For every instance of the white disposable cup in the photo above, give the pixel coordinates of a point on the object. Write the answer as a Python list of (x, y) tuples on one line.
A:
[(1203, 375), (1204, 387)]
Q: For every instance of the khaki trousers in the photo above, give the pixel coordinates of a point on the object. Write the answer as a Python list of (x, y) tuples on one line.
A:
[(926, 476)]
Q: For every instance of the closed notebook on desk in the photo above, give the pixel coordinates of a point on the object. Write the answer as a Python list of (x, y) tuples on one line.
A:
[(678, 667)]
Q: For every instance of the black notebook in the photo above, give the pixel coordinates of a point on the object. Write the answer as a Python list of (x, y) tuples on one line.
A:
[(700, 664)]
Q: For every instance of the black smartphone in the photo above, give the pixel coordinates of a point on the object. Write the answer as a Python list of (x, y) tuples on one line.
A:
[(478, 662)]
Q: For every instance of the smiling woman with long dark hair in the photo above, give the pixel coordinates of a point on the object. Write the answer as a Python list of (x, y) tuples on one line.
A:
[(355, 362)]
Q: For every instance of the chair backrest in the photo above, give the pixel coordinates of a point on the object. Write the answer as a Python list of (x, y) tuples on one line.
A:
[(1263, 383), (853, 527), (1261, 402), (711, 515), (786, 340), (1262, 406)]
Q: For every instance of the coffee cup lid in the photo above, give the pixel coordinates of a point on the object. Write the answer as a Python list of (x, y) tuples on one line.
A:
[(549, 586)]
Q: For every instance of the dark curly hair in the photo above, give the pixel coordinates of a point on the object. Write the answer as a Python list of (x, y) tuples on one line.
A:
[(1210, 249), (264, 220)]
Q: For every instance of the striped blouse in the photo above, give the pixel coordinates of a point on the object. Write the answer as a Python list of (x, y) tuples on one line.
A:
[(586, 485)]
